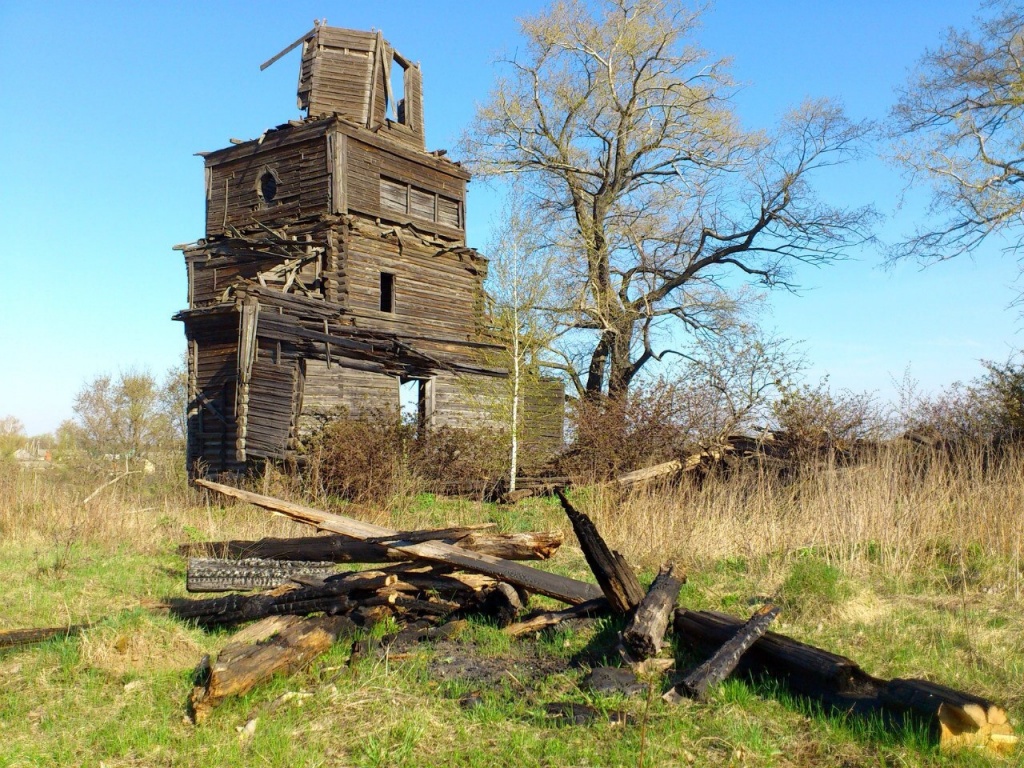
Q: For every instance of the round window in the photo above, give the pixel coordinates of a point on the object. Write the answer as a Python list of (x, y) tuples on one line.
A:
[(268, 186)]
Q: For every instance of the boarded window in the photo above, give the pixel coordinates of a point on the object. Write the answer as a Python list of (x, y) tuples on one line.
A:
[(448, 212), (394, 196), (387, 292), (399, 197), (421, 203)]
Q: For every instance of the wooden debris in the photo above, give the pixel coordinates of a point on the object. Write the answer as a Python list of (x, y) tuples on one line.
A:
[(502, 604), (645, 631), (724, 661), (532, 579), (206, 574), (617, 579), (648, 473), (542, 621), (955, 718), (330, 596), (342, 549), (242, 665), (10, 638)]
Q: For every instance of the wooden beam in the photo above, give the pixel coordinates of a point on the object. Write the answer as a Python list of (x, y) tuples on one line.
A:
[(342, 549), (617, 579), (289, 49), (534, 580), (954, 718), (713, 671), (645, 631)]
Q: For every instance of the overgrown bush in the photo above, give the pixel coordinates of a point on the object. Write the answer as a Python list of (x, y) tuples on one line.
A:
[(815, 422), (616, 435), (374, 456), (987, 413)]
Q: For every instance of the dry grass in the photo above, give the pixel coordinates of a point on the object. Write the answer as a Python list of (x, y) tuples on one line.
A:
[(897, 512)]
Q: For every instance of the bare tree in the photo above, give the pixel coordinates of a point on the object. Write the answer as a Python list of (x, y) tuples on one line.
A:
[(657, 203), (129, 416), (959, 124)]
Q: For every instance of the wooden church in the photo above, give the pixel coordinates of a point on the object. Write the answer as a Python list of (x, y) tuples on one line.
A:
[(335, 272)]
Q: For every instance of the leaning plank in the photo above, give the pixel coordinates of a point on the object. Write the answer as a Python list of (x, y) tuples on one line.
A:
[(713, 671), (616, 577), (241, 666), (542, 621), (644, 633), (10, 638), (534, 580), (207, 574), (342, 549), (955, 718)]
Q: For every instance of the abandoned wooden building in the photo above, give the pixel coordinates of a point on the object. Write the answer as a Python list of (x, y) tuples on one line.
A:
[(334, 270)]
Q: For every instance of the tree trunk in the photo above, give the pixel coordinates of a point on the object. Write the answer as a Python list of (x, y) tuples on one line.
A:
[(616, 577), (645, 631)]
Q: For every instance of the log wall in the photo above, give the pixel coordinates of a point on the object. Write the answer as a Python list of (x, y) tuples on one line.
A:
[(296, 157)]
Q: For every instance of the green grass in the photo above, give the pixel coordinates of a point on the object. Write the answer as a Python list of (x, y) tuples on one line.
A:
[(116, 694)]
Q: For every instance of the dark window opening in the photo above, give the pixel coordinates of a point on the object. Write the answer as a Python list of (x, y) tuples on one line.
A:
[(387, 292), (268, 186)]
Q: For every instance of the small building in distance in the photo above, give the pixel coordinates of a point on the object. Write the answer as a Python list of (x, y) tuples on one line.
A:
[(334, 271)]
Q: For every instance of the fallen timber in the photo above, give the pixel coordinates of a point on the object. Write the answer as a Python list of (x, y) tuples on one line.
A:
[(12, 638), (342, 549), (280, 644), (613, 573), (644, 633), (955, 718), (534, 580), (722, 663)]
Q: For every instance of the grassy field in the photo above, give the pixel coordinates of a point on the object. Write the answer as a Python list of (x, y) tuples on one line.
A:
[(911, 570)]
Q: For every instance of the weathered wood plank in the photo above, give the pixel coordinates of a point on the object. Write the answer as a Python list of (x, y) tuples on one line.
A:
[(532, 579)]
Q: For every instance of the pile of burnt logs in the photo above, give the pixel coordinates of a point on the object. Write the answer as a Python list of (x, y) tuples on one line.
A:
[(427, 582)]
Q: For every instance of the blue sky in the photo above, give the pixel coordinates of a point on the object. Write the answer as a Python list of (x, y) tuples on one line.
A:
[(102, 106)]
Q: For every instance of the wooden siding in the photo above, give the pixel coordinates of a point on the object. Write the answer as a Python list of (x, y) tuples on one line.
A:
[(337, 386), (335, 73), (273, 392), (396, 188), (435, 292), (304, 186), (212, 428)]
